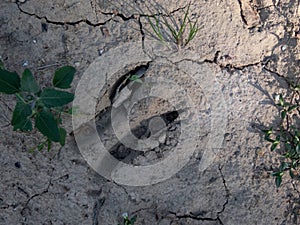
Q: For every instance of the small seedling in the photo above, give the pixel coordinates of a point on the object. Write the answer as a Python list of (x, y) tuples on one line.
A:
[(165, 28), (36, 107), (127, 220), (286, 138), (135, 78)]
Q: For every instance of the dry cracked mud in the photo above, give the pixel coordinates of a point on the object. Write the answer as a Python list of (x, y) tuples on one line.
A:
[(247, 50)]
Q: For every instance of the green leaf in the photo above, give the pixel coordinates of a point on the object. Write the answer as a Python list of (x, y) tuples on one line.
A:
[(292, 175), (292, 107), (278, 181), (41, 146), (46, 124), (21, 115), (63, 134), (294, 164), (1, 65), (268, 132), (288, 146), (135, 78), (284, 166), (297, 88), (9, 82), (183, 25), (281, 100), (28, 82), (133, 219), (49, 145), (274, 145), (63, 77), (193, 31), (296, 138), (55, 98), (283, 114)]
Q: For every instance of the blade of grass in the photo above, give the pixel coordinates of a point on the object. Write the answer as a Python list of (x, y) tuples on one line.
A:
[(173, 32), (156, 28), (193, 31), (183, 25)]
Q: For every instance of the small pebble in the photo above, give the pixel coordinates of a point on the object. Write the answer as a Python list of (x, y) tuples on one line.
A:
[(34, 41), (25, 63), (100, 52), (162, 138), (77, 64), (284, 47), (134, 197)]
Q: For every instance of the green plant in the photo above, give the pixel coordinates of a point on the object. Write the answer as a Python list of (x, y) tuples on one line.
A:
[(41, 107), (164, 28), (285, 139), (134, 78), (127, 220)]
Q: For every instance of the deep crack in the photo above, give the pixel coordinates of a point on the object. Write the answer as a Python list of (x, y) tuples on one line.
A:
[(96, 210), (88, 22), (38, 194), (215, 59), (190, 216), (229, 66), (226, 190), (278, 75), (242, 12), (142, 33), (217, 219)]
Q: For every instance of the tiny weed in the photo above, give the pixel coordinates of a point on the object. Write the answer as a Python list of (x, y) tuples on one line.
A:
[(41, 107), (134, 78), (127, 220), (286, 137), (164, 28)]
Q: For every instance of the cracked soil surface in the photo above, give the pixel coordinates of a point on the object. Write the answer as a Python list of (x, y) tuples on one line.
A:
[(251, 47)]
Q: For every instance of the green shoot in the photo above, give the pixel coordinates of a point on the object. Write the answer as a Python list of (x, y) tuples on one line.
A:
[(286, 138), (39, 107), (177, 33), (127, 220)]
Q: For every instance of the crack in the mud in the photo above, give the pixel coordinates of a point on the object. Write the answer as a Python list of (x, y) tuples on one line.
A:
[(215, 59), (120, 186), (96, 210), (190, 216), (229, 66), (277, 74), (88, 22), (217, 219), (273, 72), (38, 194), (226, 190), (242, 12), (142, 33)]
